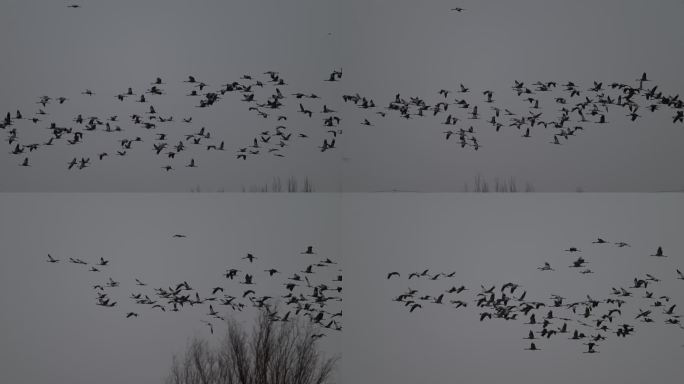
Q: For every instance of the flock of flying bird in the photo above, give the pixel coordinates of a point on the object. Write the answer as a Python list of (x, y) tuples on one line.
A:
[(151, 125), (319, 300), (577, 106), (591, 321), (269, 98)]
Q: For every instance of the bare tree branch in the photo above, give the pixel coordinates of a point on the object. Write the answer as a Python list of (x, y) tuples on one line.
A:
[(275, 352)]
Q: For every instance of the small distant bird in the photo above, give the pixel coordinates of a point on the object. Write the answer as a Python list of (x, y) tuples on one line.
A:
[(532, 347), (248, 279), (458, 9), (179, 236), (250, 257), (659, 253), (545, 267), (591, 348), (210, 325), (212, 312), (73, 6), (389, 275), (131, 314), (309, 251), (53, 260)]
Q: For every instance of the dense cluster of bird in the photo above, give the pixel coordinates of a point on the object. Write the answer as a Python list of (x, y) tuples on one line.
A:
[(591, 320), (577, 106), (268, 97), (319, 300), (264, 96)]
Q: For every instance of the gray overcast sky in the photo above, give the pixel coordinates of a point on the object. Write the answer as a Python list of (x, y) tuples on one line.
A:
[(415, 48), (54, 333), (492, 240), (52, 322), (383, 48)]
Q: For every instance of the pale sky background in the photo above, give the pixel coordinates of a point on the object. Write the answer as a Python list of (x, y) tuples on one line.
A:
[(492, 240), (51, 319), (383, 47), (54, 333)]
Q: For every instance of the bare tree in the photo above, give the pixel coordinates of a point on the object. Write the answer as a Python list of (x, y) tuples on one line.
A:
[(292, 184), (308, 187), (276, 352), (277, 185), (481, 185)]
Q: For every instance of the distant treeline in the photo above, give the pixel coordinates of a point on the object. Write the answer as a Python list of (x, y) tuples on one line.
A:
[(276, 185)]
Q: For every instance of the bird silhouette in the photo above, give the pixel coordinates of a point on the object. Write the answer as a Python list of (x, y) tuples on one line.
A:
[(309, 251), (659, 253), (532, 347)]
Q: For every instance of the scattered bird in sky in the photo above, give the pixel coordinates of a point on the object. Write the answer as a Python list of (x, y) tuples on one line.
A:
[(561, 111), (316, 299), (591, 320)]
